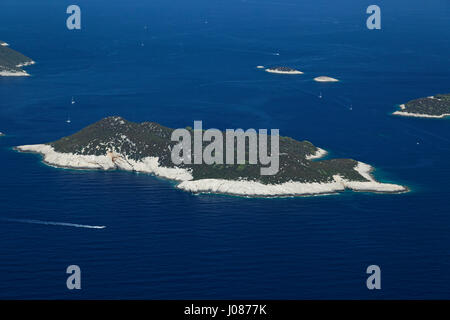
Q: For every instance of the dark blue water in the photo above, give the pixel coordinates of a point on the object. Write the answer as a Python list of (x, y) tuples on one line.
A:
[(160, 242)]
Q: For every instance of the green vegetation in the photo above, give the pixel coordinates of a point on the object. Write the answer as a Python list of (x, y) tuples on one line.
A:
[(150, 139), (435, 106), (10, 59)]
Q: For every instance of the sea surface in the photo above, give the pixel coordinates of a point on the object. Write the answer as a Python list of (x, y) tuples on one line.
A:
[(174, 62)]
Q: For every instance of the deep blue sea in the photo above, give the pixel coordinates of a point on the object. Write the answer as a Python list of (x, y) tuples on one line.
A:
[(196, 60)]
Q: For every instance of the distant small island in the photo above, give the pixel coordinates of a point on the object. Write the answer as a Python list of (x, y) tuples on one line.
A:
[(115, 143), (437, 106), (325, 79), (12, 62), (1, 134), (283, 70)]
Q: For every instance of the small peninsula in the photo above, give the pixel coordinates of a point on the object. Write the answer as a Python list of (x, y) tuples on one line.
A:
[(325, 79), (283, 70), (437, 107), (114, 143), (12, 62)]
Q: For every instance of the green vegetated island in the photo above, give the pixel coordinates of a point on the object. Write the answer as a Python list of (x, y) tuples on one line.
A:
[(12, 62), (115, 143), (437, 106)]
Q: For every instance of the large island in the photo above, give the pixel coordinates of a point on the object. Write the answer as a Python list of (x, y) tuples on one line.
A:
[(12, 62), (437, 106), (115, 143)]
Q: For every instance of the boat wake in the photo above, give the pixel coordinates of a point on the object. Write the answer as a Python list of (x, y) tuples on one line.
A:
[(53, 223)]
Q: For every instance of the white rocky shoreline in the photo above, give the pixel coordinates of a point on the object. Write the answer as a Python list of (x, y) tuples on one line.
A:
[(17, 73), (320, 153), (418, 115), (325, 79), (112, 161), (14, 74), (270, 70)]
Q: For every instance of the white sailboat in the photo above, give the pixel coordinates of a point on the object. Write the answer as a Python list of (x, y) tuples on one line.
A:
[(68, 116), (320, 96)]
